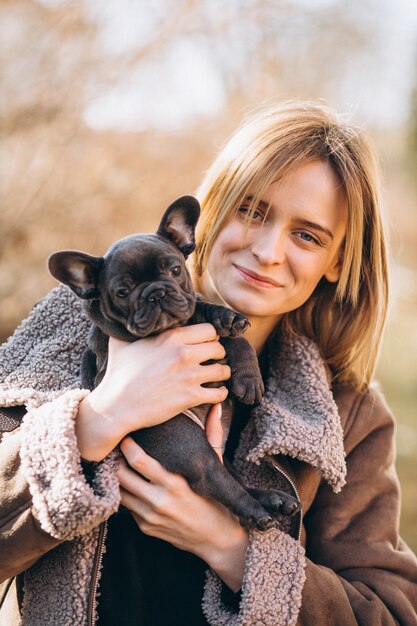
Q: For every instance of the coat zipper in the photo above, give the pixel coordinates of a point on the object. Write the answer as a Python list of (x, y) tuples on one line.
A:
[(274, 463), (98, 558)]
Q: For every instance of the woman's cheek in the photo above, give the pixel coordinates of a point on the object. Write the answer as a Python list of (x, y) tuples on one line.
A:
[(306, 276)]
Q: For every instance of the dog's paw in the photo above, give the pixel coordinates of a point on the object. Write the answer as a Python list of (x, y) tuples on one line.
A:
[(247, 387), (289, 506), (276, 501), (257, 522), (228, 323)]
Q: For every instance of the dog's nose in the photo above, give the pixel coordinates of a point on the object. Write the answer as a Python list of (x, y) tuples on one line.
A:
[(156, 295)]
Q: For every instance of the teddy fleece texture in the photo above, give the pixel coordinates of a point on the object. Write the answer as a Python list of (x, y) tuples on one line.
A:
[(297, 417)]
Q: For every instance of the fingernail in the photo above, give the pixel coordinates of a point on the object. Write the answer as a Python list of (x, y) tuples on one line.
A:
[(219, 411)]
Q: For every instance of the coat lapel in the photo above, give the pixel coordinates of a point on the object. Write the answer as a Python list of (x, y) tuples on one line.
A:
[(298, 416)]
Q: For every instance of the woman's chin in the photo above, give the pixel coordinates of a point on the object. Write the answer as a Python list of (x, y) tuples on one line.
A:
[(250, 308)]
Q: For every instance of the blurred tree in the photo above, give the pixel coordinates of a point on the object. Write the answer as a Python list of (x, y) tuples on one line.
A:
[(58, 56)]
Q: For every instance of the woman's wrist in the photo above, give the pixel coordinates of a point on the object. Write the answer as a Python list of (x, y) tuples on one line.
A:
[(98, 429), (227, 558)]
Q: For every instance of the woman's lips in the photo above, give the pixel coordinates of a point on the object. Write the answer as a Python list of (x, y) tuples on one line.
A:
[(255, 279)]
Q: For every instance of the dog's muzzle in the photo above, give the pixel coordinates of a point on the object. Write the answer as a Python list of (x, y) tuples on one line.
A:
[(154, 294), (158, 307)]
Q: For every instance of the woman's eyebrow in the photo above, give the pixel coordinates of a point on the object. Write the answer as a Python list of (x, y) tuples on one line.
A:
[(318, 227), (300, 220), (263, 203)]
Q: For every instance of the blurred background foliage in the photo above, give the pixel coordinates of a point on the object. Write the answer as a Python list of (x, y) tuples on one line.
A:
[(109, 109)]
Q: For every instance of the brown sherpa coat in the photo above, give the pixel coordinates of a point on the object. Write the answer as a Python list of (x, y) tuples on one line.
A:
[(350, 566)]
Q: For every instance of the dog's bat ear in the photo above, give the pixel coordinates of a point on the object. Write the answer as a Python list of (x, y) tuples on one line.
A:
[(179, 221), (78, 270)]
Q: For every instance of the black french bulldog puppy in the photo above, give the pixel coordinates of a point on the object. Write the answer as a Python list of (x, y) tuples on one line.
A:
[(141, 287)]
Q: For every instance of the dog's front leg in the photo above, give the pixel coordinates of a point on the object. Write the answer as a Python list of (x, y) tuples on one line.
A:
[(228, 323), (88, 369), (94, 361), (246, 382)]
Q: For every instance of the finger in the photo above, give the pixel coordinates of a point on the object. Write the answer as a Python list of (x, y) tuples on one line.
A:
[(121, 465), (214, 430), (215, 372), (134, 504), (196, 333), (210, 350), (143, 463), (212, 395), (141, 519), (132, 482), (142, 513)]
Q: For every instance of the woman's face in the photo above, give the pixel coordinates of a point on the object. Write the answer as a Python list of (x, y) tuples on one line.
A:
[(277, 265)]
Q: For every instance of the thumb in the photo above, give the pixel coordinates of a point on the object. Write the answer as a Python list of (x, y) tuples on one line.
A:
[(214, 430)]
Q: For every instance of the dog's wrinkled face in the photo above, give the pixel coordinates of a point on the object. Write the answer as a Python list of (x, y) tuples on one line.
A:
[(142, 281), (145, 285)]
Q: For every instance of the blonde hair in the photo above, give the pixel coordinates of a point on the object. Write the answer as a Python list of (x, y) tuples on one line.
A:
[(345, 319)]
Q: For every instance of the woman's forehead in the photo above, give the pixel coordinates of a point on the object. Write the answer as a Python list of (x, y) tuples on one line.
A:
[(311, 193)]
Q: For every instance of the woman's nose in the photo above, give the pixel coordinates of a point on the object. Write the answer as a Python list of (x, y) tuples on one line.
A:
[(269, 247)]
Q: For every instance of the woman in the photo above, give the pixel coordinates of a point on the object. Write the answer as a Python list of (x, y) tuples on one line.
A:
[(291, 236)]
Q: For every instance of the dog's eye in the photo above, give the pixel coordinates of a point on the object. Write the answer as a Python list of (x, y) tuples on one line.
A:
[(122, 292), (176, 271)]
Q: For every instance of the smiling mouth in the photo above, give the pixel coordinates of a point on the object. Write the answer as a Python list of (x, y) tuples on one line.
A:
[(256, 279)]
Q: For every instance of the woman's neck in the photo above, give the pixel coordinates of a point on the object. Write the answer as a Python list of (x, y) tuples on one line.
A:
[(259, 331)]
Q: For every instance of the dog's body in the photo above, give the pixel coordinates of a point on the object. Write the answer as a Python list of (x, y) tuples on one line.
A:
[(142, 287)]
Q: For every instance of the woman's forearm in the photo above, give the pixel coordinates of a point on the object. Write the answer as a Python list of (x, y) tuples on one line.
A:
[(147, 382)]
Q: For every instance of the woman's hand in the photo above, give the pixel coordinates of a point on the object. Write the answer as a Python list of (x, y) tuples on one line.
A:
[(148, 382), (164, 506)]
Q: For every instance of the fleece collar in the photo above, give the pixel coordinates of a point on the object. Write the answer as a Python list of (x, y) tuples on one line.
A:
[(298, 416)]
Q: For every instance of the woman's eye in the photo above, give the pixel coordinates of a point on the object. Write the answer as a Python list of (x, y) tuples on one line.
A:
[(122, 292), (255, 215), (176, 271), (307, 237)]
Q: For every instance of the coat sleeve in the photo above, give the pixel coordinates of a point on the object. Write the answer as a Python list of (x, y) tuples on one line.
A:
[(44, 496), (271, 588), (358, 570)]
